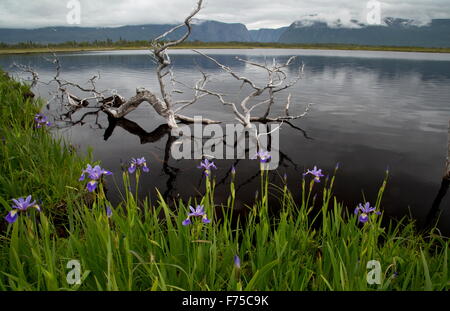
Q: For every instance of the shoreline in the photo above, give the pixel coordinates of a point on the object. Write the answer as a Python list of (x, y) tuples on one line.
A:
[(13, 51), (137, 245)]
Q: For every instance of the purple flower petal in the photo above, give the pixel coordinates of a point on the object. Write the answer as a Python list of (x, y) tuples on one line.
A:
[(131, 169), (207, 165), (12, 216), (28, 199), (23, 204), (92, 185), (264, 156), (109, 211), (186, 222), (17, 204), (197, 212), (317, 173), (139, 163), (237, 262), (363, 217), (41, 120)]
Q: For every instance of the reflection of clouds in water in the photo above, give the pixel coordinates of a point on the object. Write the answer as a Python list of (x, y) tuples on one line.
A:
[(379, 91), (389, 102)]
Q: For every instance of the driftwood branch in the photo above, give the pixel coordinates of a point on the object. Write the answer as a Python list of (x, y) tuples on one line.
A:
[(116, 106), (160, 107), (29, 70), (163, 61), (165, 106), (276, 82)]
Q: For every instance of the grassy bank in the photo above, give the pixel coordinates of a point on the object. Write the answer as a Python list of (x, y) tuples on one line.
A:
[(31, 160), (155, 245), (139, 45)]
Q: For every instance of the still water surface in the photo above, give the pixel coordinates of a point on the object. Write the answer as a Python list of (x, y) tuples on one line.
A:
[(373, 111)]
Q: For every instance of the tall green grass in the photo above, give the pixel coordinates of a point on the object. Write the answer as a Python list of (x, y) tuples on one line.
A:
[(31, 160), (144, 246)]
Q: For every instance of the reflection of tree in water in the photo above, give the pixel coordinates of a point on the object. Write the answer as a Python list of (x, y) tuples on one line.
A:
[(435, 211), (284, 161), (145, 138), (172, 172)]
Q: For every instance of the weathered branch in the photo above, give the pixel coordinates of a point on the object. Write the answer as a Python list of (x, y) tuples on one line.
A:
[(143, 95), (197, 95), (163, 59), (276, 82), (118, 107), (229, 70), (28, 69)]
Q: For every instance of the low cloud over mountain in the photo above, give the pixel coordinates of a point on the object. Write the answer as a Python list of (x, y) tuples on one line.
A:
[(310, 29)]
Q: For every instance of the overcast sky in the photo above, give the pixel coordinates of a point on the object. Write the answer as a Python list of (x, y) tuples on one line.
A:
[(253, 13)]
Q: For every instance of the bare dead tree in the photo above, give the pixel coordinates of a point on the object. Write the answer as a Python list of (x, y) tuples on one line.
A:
[(166, 106), (276, 82), (118, 107)]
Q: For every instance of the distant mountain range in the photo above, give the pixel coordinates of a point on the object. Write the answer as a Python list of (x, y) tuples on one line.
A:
[(393, 32), (267, 34)]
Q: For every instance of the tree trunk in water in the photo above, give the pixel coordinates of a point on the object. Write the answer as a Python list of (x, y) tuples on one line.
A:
[(141, 96), (118, 109)]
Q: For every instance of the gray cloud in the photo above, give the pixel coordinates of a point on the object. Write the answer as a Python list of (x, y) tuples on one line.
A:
[(253, 13)]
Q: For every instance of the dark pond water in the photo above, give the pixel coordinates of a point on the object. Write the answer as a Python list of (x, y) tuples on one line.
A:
[(373, 111)]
